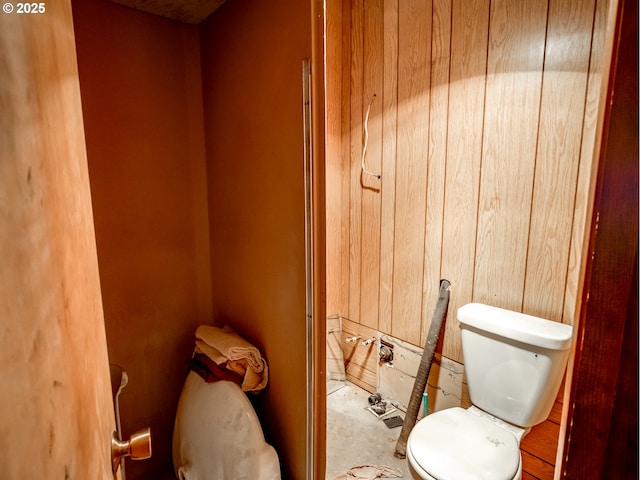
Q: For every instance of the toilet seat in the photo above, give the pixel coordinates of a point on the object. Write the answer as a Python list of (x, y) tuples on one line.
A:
[(457, 444)]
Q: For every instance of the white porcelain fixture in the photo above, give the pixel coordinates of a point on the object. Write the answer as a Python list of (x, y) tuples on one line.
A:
[(514, 366), (218, 435)]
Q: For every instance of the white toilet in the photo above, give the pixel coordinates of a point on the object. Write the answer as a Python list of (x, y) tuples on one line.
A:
[(514, 366), (217, 435)]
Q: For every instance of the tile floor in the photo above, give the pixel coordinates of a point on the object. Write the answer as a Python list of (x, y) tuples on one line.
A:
[(355, 436)]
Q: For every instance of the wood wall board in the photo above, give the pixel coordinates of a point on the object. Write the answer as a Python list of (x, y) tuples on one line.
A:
[(356, 328), (475, 126), (357, 371), (363, 379), (592, 134), (360, 360), (356, 135), (372, 101), (56, 406), (468, 64), (336, 296), (562, 106), (334, 352), (588, 160), (611, 279), (315, 261), (414, 66), (437, 157), (514, 83), (345, 186), (621, 458), (466, 98), (464, 124), (389, 140)]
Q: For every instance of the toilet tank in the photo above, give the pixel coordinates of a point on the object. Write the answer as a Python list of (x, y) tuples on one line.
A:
[(514, 363)]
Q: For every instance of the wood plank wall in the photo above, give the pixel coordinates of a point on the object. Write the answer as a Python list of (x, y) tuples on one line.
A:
[(481, 126)]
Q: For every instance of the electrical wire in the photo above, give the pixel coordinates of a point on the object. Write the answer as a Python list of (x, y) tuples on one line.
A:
[(366, 141)]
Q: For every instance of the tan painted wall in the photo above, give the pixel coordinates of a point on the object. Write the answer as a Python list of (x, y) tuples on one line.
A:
[(252, 56), (482, 129), (141, 98)]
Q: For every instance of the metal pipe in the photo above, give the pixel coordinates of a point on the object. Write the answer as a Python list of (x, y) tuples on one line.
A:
[(424, 368)]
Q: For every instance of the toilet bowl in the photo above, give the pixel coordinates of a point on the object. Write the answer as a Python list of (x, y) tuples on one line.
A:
[(217, 435), (514, 365), (464, 444)]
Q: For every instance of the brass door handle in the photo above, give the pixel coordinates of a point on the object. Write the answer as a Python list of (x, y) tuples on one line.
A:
[(138, 447)]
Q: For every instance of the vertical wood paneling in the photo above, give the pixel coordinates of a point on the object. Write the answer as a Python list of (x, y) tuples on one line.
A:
[(345, 185), (438, 121), (370, 185), (469, 36), (389, 146), (484, 135), (514, 82), (355, 187), (587, 164), (336, 296), (485, 155), (414, 49), (360, 361), (561, 118)]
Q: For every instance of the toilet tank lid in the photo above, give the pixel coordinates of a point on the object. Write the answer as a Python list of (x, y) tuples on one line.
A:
[(518, 326)]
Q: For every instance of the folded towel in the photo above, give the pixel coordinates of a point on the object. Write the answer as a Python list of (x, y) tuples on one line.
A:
[(210, 371), (225, 347)]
